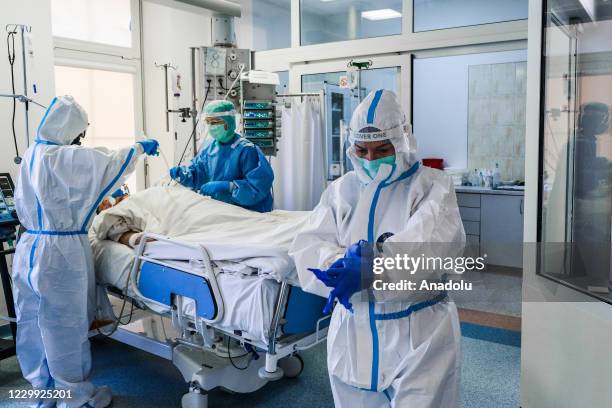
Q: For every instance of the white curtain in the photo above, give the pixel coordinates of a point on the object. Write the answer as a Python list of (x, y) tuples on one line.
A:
[(299, 176)]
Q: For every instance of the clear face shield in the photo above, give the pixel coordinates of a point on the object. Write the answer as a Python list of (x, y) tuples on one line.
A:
[(370, 146), (379, 123), (370, 133), (220, 125), (217, 118), (349, 136)]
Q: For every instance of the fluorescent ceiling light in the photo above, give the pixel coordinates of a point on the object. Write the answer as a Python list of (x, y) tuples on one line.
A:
[(589, 7), (382, 14), (326, 1)]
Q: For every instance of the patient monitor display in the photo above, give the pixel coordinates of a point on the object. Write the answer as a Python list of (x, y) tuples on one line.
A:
[(8, 215)]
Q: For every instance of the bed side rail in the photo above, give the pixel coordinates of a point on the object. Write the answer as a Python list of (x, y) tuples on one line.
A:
[(278, 349), (203, 257)]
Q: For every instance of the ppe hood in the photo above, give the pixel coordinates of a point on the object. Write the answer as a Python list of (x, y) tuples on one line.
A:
[(64, 120)]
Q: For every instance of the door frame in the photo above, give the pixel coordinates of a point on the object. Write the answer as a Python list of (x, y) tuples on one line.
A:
[(401, 61)]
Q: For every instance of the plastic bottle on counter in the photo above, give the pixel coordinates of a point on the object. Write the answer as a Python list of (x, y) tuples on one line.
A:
[(475, 179), (488, 179), (496, 176)]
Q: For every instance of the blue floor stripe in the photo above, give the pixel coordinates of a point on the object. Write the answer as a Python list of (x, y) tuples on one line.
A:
[(492, 334)]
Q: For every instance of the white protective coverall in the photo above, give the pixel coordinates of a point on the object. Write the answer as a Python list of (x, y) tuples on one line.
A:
[(59, 188), (382, 354)]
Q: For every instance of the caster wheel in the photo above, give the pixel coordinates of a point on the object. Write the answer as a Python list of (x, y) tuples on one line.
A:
[(264, 375), (292, 366)]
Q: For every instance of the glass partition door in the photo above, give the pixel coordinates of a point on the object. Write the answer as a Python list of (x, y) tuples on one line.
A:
[(339, 106), (576, 160)]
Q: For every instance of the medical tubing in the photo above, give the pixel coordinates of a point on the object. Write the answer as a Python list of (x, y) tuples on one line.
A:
[(161, 153), (195, 127), (229, 355), (118, 319), (164, 158), (10, 46)]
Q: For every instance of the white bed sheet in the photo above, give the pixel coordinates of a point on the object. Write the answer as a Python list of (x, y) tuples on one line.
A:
[(268, 262), (229, 233), (248, 300)]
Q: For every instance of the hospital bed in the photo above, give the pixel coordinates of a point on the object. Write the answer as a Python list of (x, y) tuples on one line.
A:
[(176, 280)]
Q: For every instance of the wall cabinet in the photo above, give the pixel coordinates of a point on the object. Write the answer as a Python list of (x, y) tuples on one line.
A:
[(493, 226)]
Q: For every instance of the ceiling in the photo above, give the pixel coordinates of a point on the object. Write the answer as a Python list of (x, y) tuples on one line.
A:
[(335, 7), (570, 11)]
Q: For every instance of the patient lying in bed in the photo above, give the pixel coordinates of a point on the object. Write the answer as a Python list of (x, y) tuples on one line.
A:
[(121, 233), (231, 235), (250, 248)]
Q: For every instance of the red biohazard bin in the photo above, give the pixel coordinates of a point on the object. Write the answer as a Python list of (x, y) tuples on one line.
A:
[(434, 163)]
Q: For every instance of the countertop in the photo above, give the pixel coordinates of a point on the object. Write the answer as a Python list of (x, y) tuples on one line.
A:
[(484, 190)]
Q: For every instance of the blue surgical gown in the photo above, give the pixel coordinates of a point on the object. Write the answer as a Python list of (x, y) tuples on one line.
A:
[(240, 162)]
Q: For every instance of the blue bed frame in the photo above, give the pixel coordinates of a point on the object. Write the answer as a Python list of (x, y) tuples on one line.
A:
[(298, 323)]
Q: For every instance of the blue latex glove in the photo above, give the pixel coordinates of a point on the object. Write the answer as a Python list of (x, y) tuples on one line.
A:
[(176, 173), (351, 277), (150, 147), (215, 187), (118, 193), (347, 275), (330, 280), (361, 248)]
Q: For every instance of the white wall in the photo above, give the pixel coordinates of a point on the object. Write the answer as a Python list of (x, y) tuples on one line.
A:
[(440, 103), (36, 13), (566, 360), (169, 29)]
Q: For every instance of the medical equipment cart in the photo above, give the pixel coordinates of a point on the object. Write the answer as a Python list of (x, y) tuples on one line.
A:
[(8, 223)]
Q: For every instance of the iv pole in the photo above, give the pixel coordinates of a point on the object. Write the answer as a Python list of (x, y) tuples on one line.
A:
[(359, 66), (22, 98), (25, 100)]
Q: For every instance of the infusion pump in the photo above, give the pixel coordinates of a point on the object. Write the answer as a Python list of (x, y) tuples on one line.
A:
[(227, 75), (8, 214)]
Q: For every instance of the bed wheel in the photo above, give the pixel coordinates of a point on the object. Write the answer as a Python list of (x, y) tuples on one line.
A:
[(292, 365), (194, 400)]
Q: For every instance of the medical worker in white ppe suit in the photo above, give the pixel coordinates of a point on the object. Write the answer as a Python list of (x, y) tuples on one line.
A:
[(60, 186), (402, 353)]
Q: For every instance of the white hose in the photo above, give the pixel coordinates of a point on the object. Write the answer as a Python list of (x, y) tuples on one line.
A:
[(161, 153), (164, 158), (234, 83)]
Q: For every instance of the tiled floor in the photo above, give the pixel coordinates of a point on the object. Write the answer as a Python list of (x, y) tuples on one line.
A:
[(490, 378)]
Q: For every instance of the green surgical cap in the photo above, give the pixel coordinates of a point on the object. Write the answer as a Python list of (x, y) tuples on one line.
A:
[(219, 106)]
